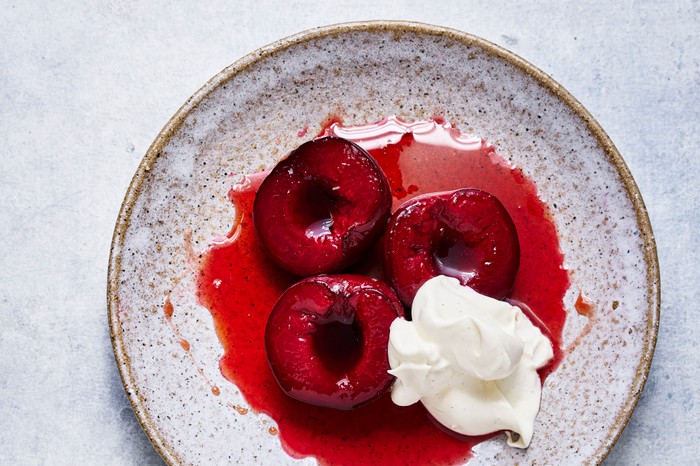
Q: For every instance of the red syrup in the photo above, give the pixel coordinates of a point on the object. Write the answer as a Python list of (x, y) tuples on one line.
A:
[(240, 285)]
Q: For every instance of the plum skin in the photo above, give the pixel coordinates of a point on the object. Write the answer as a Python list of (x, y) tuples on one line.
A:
[(322, 207), (467, 234), (361, 308)]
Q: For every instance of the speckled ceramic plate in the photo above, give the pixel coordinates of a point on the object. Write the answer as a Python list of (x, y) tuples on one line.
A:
[(250, 114)]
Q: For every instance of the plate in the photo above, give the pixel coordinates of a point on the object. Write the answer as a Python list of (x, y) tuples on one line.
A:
[(264, 105)]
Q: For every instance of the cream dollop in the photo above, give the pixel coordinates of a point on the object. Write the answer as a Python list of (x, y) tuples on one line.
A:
[(470, 359)]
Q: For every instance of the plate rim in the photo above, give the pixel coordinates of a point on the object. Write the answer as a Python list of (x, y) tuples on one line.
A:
[(176, 121)]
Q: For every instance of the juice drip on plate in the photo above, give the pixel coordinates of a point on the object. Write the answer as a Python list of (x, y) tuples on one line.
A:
[(240, 285)]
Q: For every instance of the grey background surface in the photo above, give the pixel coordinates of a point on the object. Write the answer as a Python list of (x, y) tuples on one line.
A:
[(86, 86)]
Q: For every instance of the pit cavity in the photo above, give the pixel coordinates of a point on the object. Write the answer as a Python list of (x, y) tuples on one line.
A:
[(315, 210), (455, 258), (338, 345)]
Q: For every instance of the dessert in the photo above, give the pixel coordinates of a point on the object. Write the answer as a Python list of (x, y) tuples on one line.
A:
[(326, 340), (240, 284), (321, 207), (466, 234)]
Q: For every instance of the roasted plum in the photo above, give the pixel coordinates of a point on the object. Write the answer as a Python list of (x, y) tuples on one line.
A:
[(466, 234), (322, 207), (326, 340)]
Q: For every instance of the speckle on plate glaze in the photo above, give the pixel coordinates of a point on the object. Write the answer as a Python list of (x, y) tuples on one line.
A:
[(250, 115)]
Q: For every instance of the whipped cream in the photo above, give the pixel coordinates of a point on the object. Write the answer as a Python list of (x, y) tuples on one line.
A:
[(470, 359)]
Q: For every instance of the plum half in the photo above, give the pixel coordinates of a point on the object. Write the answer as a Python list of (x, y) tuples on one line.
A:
[(327, 337), (466, 234), (322, 207)]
